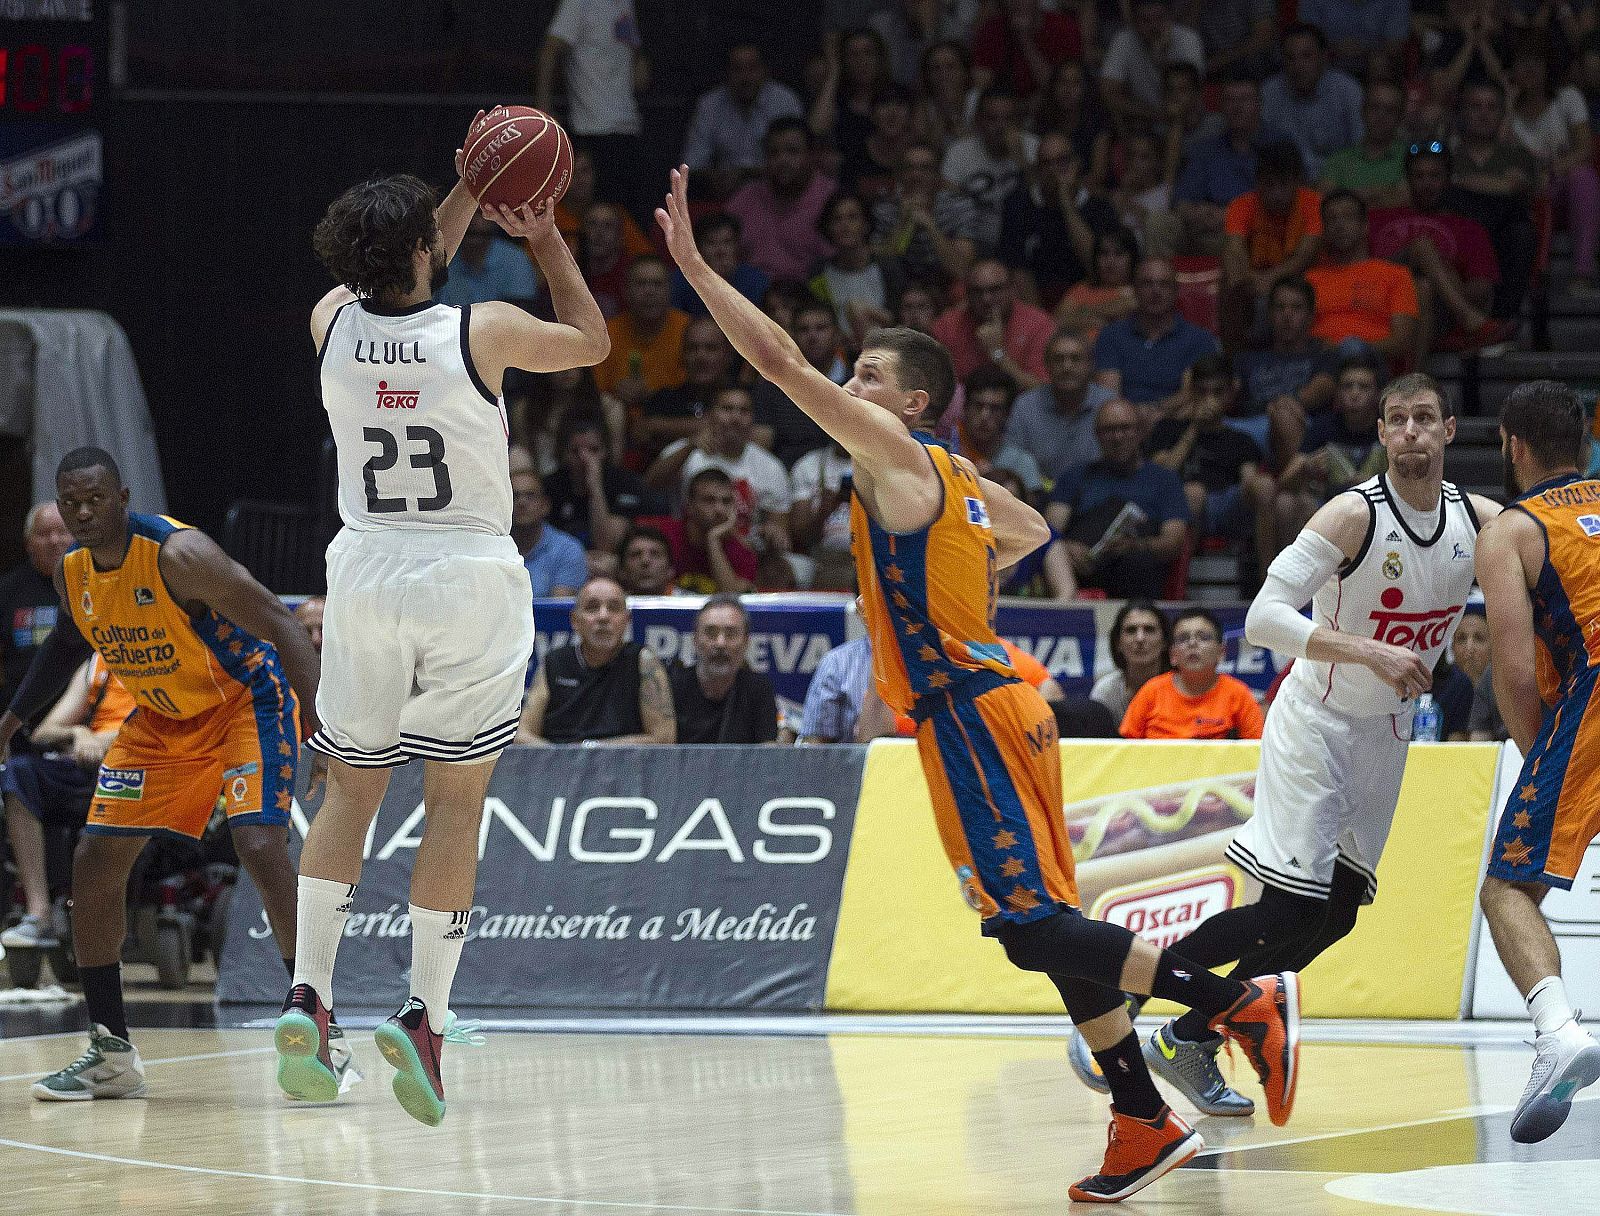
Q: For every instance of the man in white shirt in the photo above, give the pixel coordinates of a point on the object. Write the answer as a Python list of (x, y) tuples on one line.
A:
[(1130, 77), (760, 482), (731, 120), (987, 165), (819, 494)]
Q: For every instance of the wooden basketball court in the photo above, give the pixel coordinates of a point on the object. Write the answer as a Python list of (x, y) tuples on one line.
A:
[(925, 1117)]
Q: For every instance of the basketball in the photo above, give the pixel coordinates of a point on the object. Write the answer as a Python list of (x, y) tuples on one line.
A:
[(515, 155)]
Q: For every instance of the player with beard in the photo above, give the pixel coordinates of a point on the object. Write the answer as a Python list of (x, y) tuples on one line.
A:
[(1387, 567)]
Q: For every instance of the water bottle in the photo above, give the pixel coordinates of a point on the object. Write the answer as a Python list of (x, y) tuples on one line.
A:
[(1425, 722)]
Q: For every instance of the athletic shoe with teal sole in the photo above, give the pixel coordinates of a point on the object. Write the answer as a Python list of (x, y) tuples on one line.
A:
[(305, 1069), (413, 1050)]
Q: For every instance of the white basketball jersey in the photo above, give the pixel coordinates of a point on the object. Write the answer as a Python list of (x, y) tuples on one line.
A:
[(421, 441), (1406, 586)]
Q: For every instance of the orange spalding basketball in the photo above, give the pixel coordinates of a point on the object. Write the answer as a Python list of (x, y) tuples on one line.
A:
[(515, 155)]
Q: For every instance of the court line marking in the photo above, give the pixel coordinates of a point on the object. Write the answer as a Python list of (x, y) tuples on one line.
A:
[(204, 1055), (616, 1204), (34, 1038)]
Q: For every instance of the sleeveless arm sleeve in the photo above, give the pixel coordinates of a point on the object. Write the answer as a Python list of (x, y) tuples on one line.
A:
[(1296, 574)]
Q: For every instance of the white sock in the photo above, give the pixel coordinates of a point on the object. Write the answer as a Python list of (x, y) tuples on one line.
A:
[(436, 941), (1547, 1002), (319, 918)]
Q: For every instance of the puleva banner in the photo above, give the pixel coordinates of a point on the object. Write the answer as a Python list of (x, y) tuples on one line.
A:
[(664, 878)]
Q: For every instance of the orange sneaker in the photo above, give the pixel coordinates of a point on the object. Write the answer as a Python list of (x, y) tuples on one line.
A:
[(1266, 1024), (1138, 1151)]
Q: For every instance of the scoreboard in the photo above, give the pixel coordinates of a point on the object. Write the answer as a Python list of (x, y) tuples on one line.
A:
[(53, 101)]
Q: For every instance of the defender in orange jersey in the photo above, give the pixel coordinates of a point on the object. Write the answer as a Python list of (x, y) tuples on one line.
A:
[(930, 538), (1539, 566), (215, 663)]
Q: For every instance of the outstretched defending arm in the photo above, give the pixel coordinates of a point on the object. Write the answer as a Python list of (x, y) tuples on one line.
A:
[(873, 437), (53, 664)]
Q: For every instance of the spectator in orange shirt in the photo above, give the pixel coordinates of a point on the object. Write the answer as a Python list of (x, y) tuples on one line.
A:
[(1194, 700), (1271, 232), (646, 337), (1365, 306)]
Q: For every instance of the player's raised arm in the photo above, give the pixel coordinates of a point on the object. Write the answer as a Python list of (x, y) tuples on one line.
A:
[(1333, 537), (873, 437), (1503, 576)]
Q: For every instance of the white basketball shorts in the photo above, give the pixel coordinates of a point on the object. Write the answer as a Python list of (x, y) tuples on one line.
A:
[(1326, 791), (426, 641)]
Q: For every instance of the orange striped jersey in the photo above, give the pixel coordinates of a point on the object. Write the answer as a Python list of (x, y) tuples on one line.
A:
[(174, 664), (1566, 598), (929, 596)]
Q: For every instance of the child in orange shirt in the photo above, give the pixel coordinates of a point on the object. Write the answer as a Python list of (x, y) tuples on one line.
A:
[(1194, 700)]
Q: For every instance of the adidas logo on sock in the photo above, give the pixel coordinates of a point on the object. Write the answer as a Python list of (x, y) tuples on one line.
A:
[(455, 934), (346, 906)]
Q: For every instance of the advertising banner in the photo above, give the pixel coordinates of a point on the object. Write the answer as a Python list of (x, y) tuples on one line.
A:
[(650, 877)]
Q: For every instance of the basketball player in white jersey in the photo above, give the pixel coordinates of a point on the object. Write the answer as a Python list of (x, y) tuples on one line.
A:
[(1386, 566), (428, 626)]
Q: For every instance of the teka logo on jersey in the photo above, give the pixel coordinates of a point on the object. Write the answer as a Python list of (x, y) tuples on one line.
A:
[(397, 398), (1415, 630)]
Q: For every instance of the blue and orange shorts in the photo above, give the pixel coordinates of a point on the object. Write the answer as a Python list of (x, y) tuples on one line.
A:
[(166, 775), (1554, 812), (988, 750)]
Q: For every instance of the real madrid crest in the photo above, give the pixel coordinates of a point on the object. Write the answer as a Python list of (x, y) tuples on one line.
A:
[(1392, 567)]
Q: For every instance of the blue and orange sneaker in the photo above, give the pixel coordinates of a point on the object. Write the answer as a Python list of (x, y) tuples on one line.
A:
[(1138, 1151), (307, 1071)]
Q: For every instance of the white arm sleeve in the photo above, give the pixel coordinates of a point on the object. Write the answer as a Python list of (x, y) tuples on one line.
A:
[(1296, 574)]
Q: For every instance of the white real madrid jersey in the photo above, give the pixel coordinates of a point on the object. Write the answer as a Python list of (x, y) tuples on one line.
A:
[(1406, 586), (421, 441)]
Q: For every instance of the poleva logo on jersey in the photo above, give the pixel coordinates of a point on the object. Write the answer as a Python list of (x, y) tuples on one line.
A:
[(397, 398), (1416, 630)]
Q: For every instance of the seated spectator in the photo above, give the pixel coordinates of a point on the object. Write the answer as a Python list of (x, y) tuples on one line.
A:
[(603, 256), (819, 497), (1049, 222), (1194, 700), (707, 554), (1130, 75), (947, 99), (599, 688), (709, 363), (52, 785), (1044, 574), (1365, 306), (1292, 378), (1018, 47), (912, 28), (1492, 181), (1219, 169), (857, 70), (646, 337), (1140, 642), (717, 698), (993, 328), (1470, 652), (1054, 421), (309, 613), (1272, 232), (1142, 198), (834, 696), (1107, 294), (1185, 122), (556, 562), (731, 120), (487, 267), (816, 333), (1230, 495), (644, 563), (1373, 167), (893, 130), (580, 196), (760, 482), (1360, 30), (1452, 692), (718, 237), (863, 288), (1336, 450), (591, 497), (543, 399), (930, 228), (1554, 126), (1448, 253), (987, 412), (1133, 558), (1460, 46), (779, 210), (1238, 36), (1142, 357), (1317, 106), (1073, 107), (987, 165)]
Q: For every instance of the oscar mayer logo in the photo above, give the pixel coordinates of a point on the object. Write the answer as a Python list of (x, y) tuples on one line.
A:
[(1162, 910), (1414, 630)]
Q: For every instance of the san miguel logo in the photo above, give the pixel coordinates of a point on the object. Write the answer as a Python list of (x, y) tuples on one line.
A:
[(396, 398), (1415, 630)]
